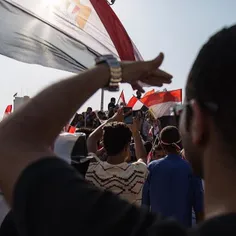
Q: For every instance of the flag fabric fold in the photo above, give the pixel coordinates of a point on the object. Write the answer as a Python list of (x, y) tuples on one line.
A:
[(136, 104), (64, 34), (160, 103), (149, 93)]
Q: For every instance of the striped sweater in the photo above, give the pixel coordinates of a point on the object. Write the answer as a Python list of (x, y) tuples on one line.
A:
[(125, 180)]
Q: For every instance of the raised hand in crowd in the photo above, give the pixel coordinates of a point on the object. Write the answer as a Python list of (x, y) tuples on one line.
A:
[(96, 135), (135, 126), (119, 116), (146, 72), (140, 150)]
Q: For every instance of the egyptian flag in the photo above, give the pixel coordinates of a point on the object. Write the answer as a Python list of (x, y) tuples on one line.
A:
[(122, 99), (137, 105), (7, 111), (62, 34), (149, 92), (160, 103)]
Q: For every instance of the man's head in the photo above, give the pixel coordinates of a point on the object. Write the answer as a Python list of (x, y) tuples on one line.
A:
[(113, 100), (89, 110), (102, 115), (159, 152), (208, 119), (170, 139), (116, 139)]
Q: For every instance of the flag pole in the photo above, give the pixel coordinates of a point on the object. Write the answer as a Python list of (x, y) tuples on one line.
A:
[(117, 103), (102, 99)]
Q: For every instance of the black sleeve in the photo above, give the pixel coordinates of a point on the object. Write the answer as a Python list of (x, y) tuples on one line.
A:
[(51, 198), (8, 227)]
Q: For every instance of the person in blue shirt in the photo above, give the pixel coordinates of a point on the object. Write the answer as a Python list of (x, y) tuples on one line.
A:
[(171, 189)]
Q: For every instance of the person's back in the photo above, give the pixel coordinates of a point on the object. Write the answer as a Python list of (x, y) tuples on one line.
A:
[(170, 188), (125, 180), (116, 175)]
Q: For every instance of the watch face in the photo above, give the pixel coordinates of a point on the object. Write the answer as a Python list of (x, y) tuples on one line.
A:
[(116, 72)]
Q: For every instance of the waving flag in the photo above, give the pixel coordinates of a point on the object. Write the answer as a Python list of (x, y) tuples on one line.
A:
[(160, 103), (136, 104), (149, 92), (62, 34), (8, 111)]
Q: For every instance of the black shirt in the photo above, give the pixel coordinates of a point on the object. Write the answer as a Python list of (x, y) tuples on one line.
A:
[(51, 198), (111, 105), (222, 225)]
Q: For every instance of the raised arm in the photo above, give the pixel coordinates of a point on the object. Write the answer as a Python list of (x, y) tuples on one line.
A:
[(140, 150), (96, 135), (26, 134)]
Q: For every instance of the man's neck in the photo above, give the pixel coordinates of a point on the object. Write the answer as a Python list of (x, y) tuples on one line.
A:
[(220, 193), (172, 153), (115, 160)]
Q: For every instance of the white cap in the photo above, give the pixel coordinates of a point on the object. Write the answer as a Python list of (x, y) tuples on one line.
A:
[(64, 145)]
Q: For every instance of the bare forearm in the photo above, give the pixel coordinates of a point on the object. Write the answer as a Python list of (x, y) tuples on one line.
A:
[(33, 128), (95, 137), (139, 147)]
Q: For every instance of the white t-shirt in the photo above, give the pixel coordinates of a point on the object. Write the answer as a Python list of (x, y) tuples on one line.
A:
[(125, 180)]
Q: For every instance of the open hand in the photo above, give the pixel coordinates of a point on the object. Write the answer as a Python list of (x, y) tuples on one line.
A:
[(135, 126), (146, 72), (119, 116)]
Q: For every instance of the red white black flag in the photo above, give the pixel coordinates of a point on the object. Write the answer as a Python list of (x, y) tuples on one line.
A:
[(62, 34)]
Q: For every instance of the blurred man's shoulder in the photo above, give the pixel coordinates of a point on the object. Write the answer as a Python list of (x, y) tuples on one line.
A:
[(139, 165), (219, 225), (156, 163)]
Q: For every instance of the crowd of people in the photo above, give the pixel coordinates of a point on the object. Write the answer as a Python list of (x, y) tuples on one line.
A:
[(91, 119), (116, 178)]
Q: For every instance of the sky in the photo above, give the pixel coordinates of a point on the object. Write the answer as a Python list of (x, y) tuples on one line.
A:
[(176, 28)]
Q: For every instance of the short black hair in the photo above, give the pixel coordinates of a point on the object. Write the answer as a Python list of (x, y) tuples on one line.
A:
[(170, 138), (116, 137), (212, 79), (90, 108)]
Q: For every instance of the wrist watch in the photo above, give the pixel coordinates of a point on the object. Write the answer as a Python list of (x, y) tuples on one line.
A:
[(115, 71)]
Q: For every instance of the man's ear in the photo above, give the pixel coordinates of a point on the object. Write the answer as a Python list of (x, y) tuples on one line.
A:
[(198, 123)]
